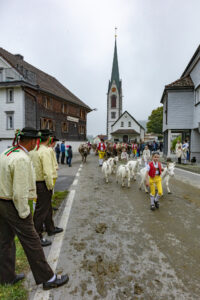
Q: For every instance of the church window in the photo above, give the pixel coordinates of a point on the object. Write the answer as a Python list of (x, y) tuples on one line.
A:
[(113, 101), (129, 124), (113, 114), (122, 124)]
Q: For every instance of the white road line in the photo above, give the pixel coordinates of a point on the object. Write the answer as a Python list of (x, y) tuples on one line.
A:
[(189, 172), (75, 182), (77, 174), (57, 244)]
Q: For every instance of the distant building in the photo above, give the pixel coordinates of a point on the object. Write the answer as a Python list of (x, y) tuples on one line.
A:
[(31, 97), (121, 127), (127, 129), (181, 108)]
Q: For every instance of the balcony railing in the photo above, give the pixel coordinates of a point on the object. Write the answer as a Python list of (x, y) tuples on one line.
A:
[(10, 74)]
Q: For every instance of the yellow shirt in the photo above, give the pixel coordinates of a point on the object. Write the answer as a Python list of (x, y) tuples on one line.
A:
[(17, 180), (54, 163), (41, 159)]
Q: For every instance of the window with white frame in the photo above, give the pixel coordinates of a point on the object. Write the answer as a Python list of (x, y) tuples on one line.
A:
[(10, 95), (122, 124), (113, 114), (197, 95), (9, 120), (129, 123)]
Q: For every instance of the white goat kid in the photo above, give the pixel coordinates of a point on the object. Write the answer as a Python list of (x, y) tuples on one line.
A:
[(166, 174), (106, 170), (134, 167), (113, 162), (123, 172)]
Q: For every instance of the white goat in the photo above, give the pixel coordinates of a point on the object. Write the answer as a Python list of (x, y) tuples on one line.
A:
[(166, 174), (113, 162), (123, 172), (106, 170), (134, 167)]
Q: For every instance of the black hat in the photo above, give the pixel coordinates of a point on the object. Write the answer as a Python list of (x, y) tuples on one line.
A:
[(27, 132), (45, 132), (55, 138)]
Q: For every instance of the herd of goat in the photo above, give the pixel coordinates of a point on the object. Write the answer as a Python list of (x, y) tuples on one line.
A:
[(132, 170)]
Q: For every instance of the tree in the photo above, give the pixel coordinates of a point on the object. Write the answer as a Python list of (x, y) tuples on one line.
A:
[(155, 121)]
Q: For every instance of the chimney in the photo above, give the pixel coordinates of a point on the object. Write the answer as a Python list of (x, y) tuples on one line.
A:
[(19, 56)]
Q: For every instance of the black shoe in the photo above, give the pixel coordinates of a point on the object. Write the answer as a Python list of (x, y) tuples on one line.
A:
[(18, 278), (60, 280), (152, 207), (157, 204), (55, 231), (54, 208), (45, 242)]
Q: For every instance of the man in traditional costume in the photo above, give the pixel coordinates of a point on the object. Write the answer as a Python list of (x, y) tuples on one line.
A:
[(154, 180), (43, 166), (101, 150), (17, 186)]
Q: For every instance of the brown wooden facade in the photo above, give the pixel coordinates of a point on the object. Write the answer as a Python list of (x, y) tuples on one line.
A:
[(45, 111)]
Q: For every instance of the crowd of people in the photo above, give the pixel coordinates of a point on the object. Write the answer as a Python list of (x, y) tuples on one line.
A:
[(182, 151), (28, 171), (66, 153)]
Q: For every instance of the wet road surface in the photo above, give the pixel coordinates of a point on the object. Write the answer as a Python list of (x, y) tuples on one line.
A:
[(116, 248)]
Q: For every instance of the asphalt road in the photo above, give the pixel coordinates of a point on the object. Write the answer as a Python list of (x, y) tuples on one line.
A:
[(116, 248)]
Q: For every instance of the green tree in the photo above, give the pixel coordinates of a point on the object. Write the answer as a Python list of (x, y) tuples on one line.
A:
[(155, 121)]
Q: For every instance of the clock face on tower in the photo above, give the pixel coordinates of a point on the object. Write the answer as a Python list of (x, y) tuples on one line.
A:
[(113, 89)]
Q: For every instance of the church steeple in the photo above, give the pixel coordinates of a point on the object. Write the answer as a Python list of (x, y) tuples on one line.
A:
[(114, 95), (115, 68)]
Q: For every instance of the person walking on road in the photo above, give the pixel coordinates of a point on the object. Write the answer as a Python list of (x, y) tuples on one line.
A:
[(62, 149), (146, 155), (179, 153), (57, 150), (17, 186), (70, 155), (43, 213), (153, 179), (101, 150)]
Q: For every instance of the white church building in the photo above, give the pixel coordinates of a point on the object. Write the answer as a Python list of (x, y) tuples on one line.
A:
[(121, 127)]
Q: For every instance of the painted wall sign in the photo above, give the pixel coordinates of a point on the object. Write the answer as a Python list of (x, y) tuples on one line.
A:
[(72, 119)]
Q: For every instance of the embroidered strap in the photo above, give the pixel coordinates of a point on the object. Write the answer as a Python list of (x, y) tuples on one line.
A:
[(13, 149)]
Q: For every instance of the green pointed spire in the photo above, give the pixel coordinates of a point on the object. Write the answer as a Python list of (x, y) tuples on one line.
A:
[(115, 68)]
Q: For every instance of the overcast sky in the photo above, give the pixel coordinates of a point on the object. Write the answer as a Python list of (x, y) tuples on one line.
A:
[(73, 40)]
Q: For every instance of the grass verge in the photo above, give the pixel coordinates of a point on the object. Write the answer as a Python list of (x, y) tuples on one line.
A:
[(18, 291)]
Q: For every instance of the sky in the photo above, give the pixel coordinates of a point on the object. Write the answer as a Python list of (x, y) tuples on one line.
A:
[(73, 40)]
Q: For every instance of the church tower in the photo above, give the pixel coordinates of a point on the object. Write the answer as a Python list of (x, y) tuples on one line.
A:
[(114, 95)]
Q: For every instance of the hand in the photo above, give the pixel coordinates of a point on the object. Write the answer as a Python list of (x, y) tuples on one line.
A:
[(147, 183)]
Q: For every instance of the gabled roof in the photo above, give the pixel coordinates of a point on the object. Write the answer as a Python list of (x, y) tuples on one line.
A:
[(196, 57), (182, 82), (131, 118), (44, 81)]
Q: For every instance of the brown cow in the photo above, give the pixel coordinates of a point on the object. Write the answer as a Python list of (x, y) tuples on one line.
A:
[(84, 151)]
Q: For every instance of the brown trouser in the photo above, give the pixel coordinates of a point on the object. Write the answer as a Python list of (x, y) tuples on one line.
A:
[(10, 225), (43, 211)]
